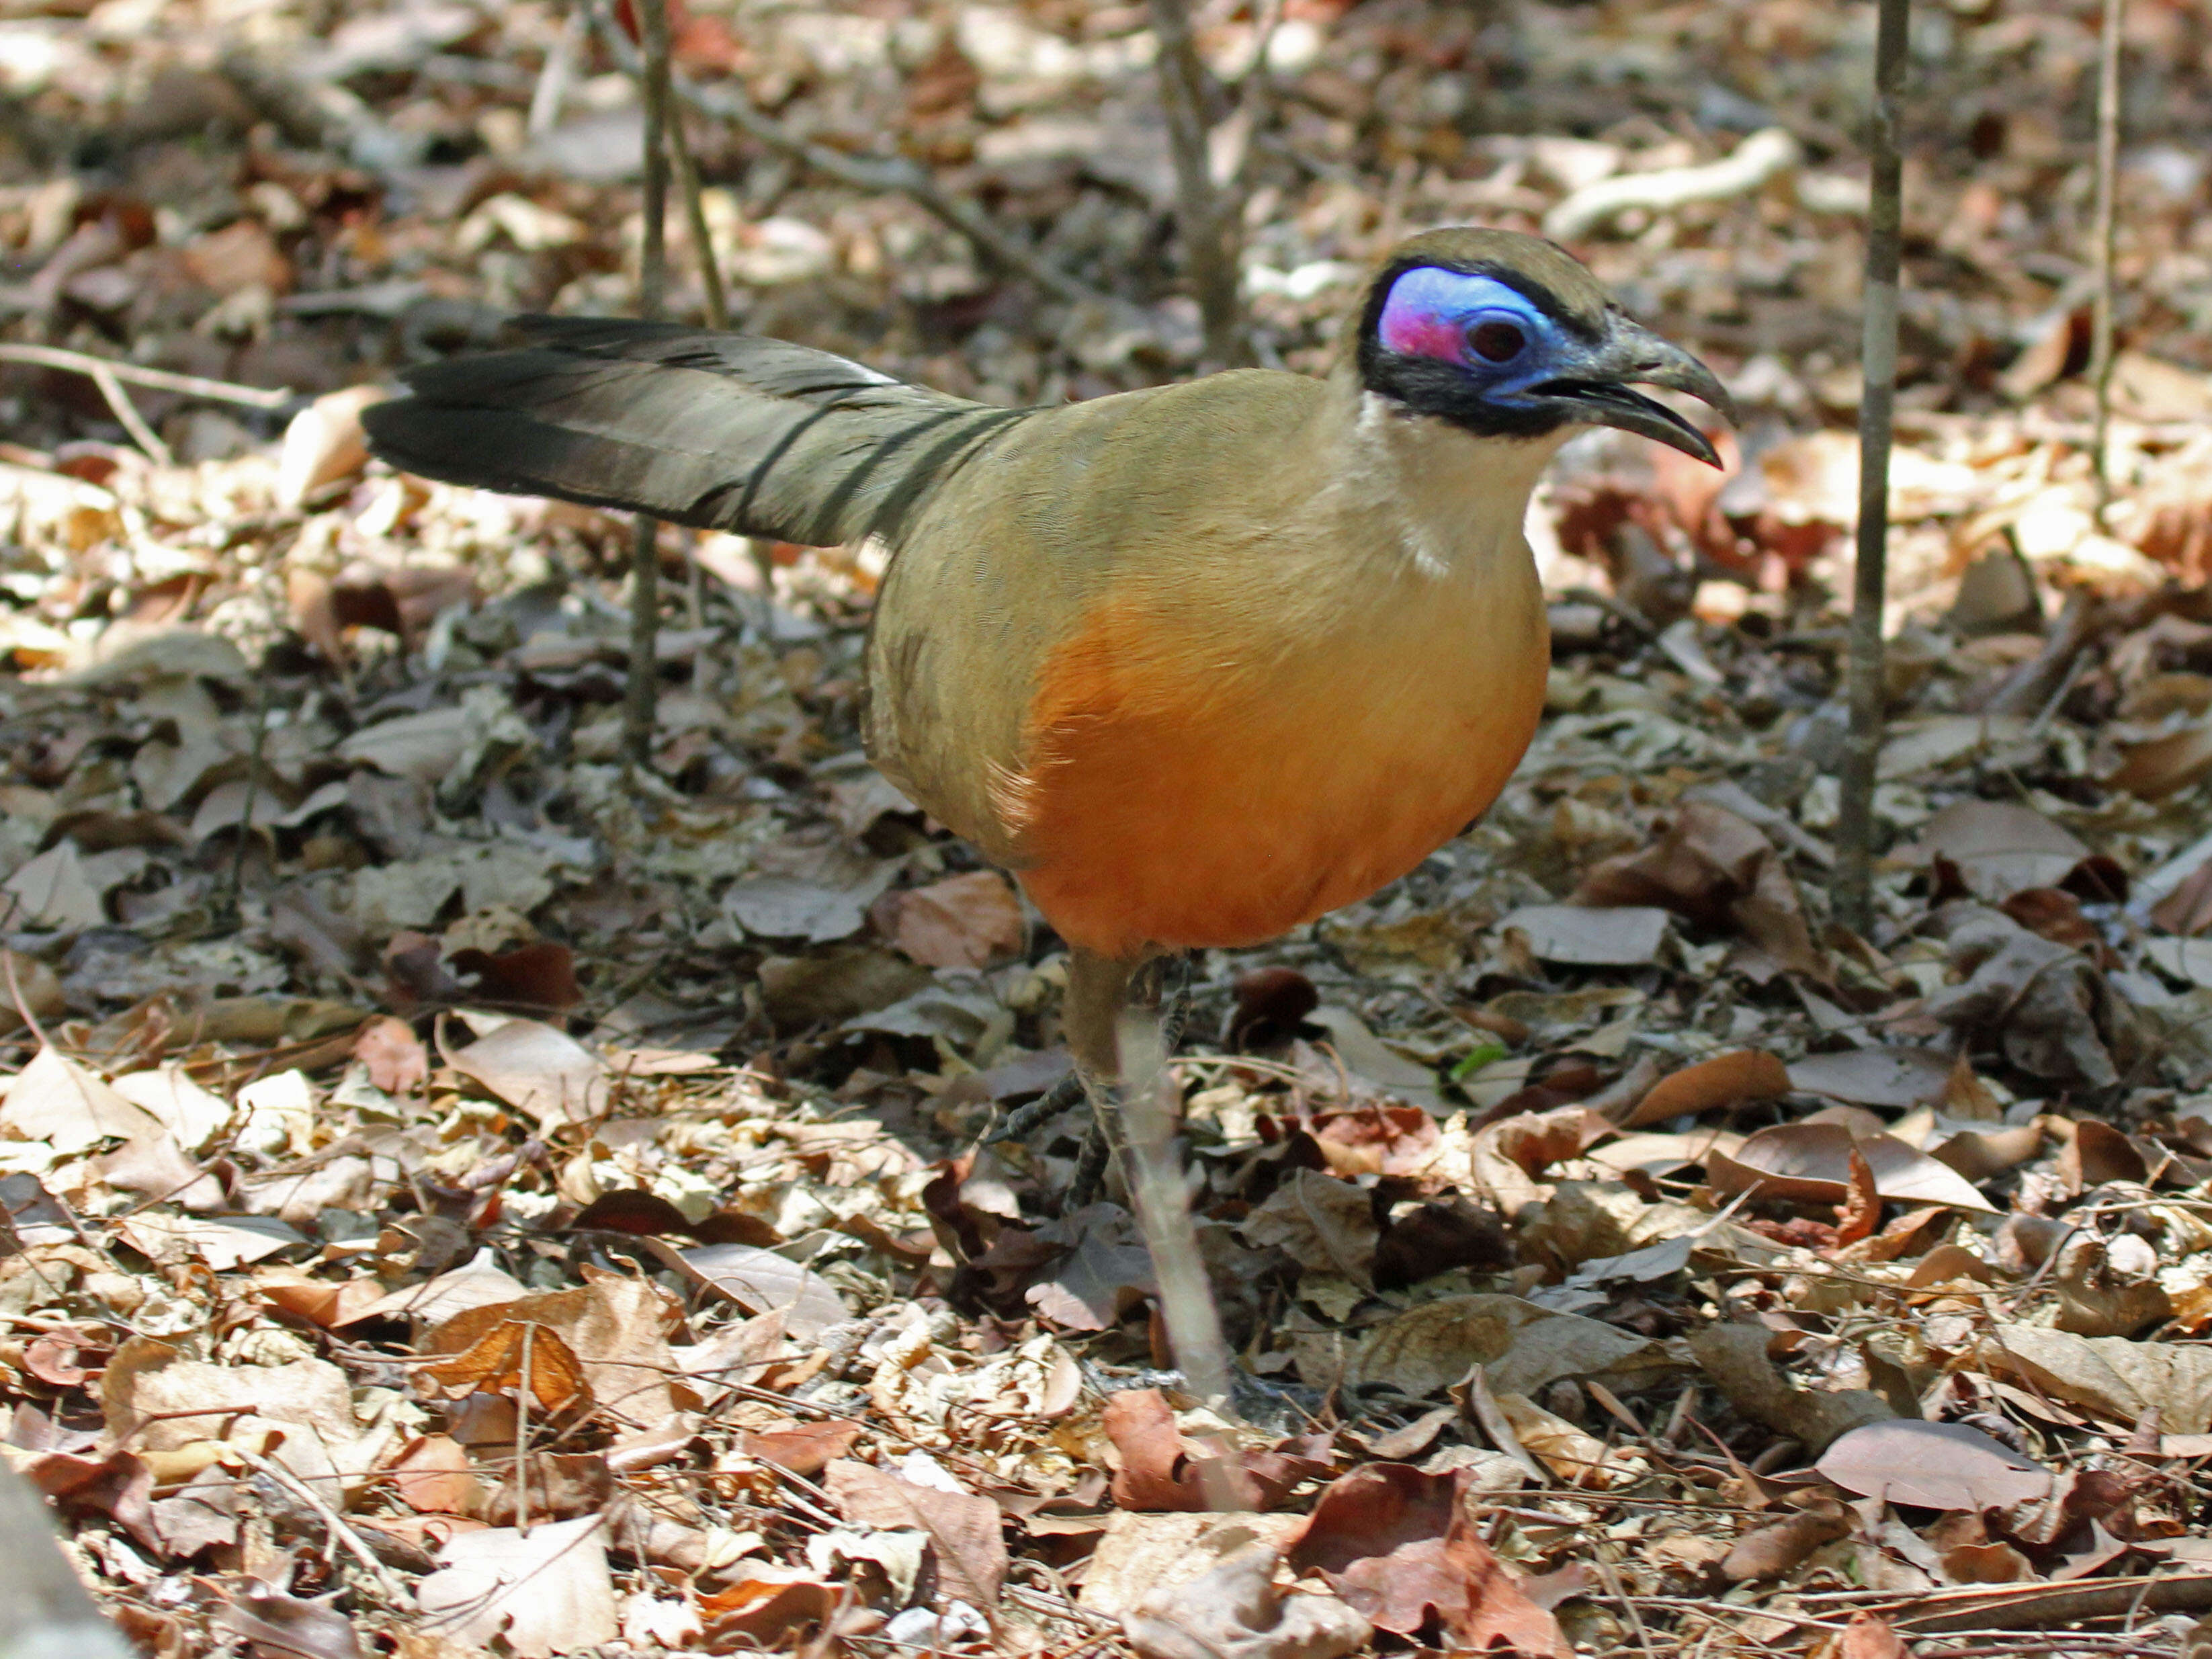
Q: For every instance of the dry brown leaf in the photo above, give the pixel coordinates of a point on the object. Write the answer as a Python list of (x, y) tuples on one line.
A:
[(433, 1475), (1143, 1551), (1592, 936), (1874, 1077), (1235, 1611), (1324, 1224), (1734, 1357), (1400, 1547), (962, 922), (760, 1281), (1995, 849), (1161, 1470), (1723, 1080), (964, 1530), (611, 1332), (1935, 1465), (1718, 872), (805, 1448), (536, 1069), (1770, 1550), (57, 1100), (546, 1591), (1811, 1162), (1523, 1347), (514, 1355)]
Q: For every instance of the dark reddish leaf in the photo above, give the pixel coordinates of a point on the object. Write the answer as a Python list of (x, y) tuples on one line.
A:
[(1400, 1547), (642, 1214), (1160, 1469), (806, 1449), (1272, 1003), (1437, 1237), (541, 975)]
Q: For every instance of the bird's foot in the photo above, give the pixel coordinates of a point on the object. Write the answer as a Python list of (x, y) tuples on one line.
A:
[(1163, 982), (1031, 1114)]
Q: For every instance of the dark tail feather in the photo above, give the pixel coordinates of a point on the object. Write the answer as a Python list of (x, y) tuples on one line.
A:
[(723, 431)]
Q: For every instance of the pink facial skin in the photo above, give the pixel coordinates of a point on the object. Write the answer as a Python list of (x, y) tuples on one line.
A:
[(1427, 313), (1422, 334)]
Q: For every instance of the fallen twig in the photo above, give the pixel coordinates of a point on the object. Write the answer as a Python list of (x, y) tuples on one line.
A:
[(1764, 156), (153, 380), (126, 412), (387, 1582)]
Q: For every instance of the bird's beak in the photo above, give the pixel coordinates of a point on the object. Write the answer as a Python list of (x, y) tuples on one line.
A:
[(1631, 355)]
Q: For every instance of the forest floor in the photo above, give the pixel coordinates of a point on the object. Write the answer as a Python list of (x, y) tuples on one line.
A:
[(469, 1188)]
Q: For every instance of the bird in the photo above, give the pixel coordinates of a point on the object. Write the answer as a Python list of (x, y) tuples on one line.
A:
[(1196, 662)]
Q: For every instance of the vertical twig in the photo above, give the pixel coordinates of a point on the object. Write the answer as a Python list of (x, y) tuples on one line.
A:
[(522, 1435), (1163, 1204), (718, 312), (234, 896), (651, 284), (694, 217), (126, 413), (2108, 163), (1209, 217), (1854, 889)]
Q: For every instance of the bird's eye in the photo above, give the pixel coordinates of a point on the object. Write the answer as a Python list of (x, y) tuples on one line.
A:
[(1496, 340)]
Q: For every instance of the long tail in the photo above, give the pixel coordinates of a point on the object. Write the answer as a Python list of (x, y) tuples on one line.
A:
[(724, 431)]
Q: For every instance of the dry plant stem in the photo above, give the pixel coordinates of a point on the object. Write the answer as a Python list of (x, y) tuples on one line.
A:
[(1162, 1205), (2108, 157), (1854, 889), (254, 759), (386, 1583), (1762, 156), (1208, 217), (695, 218), (718, 310), (125, 411), (522, 1437), (153, 380), (638, 711)]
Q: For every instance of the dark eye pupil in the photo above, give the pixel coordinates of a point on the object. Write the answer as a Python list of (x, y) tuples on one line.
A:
[(1495, 342)]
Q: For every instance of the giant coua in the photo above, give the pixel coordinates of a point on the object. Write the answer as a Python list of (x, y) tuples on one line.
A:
[(1196, 662)]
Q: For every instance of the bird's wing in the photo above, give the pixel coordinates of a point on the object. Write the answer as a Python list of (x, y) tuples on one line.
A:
[(723, 431)]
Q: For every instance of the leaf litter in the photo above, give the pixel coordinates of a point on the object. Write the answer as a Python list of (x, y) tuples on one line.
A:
[(465, 1185)]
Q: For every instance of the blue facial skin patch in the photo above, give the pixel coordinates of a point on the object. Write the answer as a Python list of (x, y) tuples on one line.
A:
[(1476, 323)]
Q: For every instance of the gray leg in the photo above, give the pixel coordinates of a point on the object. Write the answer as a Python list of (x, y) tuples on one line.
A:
[(1162, 984)]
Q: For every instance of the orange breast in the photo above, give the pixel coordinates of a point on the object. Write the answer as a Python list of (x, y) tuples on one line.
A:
[(1181, 794)]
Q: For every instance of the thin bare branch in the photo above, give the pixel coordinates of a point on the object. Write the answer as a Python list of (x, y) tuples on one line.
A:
[(2108, 158), (153, 380), (1854, 889), (126, 412), (1207, 212), (695, 218), (638, 708)]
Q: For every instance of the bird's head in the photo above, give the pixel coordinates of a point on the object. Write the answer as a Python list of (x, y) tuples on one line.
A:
[(1508, 335)]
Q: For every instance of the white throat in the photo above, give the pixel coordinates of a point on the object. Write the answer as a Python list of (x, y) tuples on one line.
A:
[(1460, 501)]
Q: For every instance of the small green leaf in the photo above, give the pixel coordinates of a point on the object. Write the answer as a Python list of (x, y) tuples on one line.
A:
[(1474, 1062)]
